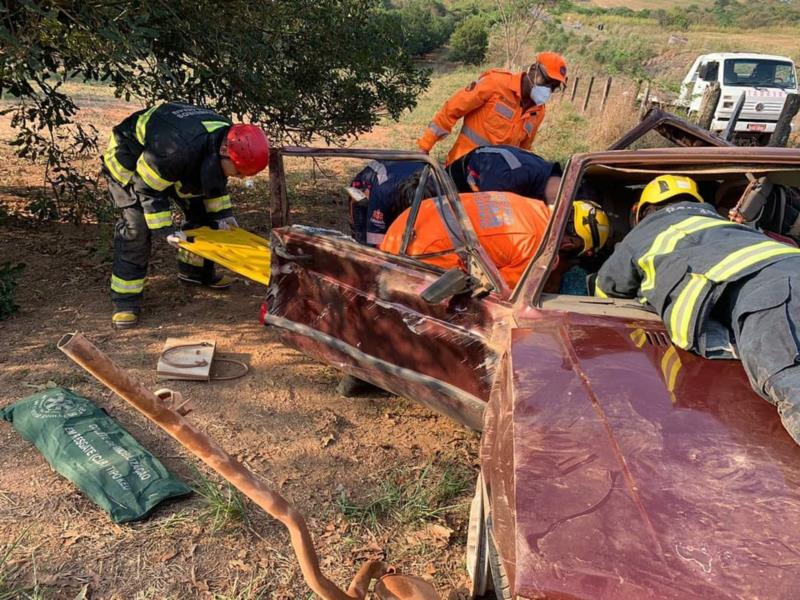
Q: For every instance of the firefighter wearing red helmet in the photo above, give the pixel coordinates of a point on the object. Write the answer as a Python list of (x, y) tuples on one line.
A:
[(172, 153), (501, 107)]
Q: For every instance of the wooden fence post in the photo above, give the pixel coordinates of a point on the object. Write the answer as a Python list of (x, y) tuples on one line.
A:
[(279, 208), (574, 89), (780, 137), (708, 105), (606, 90), (645, 100), (588, 94)]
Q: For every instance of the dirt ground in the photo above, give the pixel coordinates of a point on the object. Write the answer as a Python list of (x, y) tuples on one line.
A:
[(331, 456)]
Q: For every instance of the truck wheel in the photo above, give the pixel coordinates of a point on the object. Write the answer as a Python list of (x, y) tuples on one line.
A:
[(502, 587)]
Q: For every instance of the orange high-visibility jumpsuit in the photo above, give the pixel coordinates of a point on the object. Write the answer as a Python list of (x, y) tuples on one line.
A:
[(509, 227), (492, 112)]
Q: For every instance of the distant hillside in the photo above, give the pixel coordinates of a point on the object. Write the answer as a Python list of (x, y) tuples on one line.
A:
[(651, 4)]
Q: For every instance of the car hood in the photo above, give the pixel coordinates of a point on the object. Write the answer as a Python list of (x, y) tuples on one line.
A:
[(642, 471)]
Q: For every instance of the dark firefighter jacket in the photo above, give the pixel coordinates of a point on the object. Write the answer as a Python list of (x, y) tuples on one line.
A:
[(381, 180), (505, 168), (170, 149), (679, 261)]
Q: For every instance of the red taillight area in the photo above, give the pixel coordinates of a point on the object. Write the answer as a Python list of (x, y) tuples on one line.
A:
[(262, 313)]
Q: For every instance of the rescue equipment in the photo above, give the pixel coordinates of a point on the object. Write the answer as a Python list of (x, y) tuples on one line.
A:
[(84, 444), (236, 249)]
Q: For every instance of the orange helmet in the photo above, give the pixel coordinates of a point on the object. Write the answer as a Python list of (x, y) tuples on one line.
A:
[(248, 148), (553, 66)]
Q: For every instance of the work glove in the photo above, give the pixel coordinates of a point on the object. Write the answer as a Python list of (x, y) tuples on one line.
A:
[(174, 238), (227, 223)]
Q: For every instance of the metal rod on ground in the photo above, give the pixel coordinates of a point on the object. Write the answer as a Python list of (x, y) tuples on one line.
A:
[(730, 128), (84, 353), (780, 137), (606, 90), (708, 105), (588, 94), (645, 100), (279, 208), (574, 89)]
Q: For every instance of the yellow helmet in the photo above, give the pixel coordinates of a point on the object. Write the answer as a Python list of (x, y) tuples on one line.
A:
[(664, 187), (591, 224)]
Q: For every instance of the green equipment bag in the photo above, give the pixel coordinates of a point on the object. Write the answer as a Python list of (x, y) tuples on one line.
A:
[(88, 447)]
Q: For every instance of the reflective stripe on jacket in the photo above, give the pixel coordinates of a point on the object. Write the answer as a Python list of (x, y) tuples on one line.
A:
[(170, 150), (492, 111), (679, 261)]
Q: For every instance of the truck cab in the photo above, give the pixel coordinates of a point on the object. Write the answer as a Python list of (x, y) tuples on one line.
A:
[(765, 80)]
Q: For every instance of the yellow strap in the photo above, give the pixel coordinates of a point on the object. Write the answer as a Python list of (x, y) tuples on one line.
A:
[(236, 249), (218, 204), (141, 125), (214, 125), (158, 220), (127, 286), (599, 292), (666, 241), (184, 195), (638, 337), (150, 176)]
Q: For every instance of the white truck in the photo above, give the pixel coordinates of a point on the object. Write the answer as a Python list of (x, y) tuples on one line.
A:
[(765, 80)]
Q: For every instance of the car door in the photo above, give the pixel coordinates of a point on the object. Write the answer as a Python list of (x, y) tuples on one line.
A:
[(361, 310)]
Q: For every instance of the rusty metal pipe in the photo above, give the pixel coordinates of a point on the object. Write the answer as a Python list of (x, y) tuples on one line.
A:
[(88, 356)]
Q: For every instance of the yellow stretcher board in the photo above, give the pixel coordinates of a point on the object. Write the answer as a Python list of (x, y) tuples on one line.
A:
[(240, 251)]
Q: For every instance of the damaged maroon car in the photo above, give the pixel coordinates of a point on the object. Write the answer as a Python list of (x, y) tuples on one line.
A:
[(613, 464)]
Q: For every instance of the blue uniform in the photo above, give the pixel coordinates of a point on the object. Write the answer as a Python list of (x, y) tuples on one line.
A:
[(381, 181), (503, 169)]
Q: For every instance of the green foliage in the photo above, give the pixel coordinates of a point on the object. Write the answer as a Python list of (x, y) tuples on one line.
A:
[(425, 25), (9, 273), (624, 55), (470, 41), (225, 505), (302, 68), (404, 498)]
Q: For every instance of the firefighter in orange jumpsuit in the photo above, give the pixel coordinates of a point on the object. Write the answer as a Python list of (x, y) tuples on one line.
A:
[(508, 226), (500, 108)]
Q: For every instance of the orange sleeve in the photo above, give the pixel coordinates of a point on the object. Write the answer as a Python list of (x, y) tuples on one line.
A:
[(463, 102), (537, 122)]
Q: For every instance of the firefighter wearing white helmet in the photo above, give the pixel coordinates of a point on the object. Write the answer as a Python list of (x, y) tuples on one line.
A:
[(723, 290)]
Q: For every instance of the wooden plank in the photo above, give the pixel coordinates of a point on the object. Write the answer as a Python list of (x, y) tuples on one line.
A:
[(588, 94), (708, 105), (279, 208), (574, 89), (780, 137), (606, 91)]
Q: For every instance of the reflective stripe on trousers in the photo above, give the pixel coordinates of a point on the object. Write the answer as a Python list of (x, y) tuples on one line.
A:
[(682, 312), (126, 286)]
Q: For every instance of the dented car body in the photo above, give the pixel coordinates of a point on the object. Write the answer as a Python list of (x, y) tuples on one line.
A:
[(613, 465)]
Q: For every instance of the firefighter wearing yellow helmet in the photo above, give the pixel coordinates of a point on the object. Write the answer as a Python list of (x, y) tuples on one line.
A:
[(723, 290)]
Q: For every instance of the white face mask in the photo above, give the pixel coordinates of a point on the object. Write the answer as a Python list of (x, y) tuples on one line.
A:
[(540, 94)]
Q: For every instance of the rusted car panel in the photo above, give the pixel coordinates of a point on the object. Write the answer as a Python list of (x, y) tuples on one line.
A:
[(637, 470), (361, 310)]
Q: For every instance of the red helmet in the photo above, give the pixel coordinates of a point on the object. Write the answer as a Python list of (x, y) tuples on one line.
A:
[(248, 148)]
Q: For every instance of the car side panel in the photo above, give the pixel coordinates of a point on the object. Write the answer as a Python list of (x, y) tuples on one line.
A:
[(348, 299)]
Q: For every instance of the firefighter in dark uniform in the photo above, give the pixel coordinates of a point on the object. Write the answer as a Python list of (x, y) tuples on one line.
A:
[(380, 182), (172, 152), (504, 168), (723, 290)]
